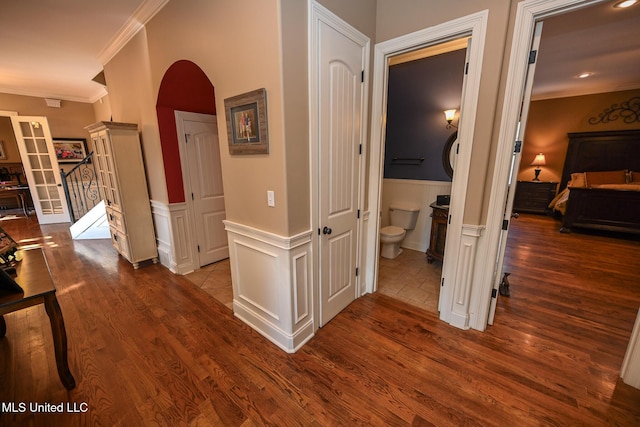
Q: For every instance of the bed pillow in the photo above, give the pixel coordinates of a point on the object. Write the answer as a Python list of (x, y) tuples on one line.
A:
[(606, 177), (577, 180)]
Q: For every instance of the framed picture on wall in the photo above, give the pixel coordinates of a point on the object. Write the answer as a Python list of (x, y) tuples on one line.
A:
[(3, 153), (70, 150), (247, 123)]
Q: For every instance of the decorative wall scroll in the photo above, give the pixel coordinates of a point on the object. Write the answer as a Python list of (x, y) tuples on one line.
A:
[(628, 111)]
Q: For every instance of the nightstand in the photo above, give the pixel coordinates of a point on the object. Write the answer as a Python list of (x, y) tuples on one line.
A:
[(534, 196)]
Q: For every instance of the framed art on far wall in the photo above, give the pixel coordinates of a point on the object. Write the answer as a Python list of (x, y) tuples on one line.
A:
[(247, 123), (70, 150)]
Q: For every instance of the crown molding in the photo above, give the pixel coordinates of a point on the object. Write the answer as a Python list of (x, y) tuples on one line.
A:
[(137, 21)]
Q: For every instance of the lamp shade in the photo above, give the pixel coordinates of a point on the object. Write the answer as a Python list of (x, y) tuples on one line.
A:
[(539, 160), (449, 115)]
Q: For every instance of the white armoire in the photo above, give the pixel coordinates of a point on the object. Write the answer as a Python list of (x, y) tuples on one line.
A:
[(123, 186)]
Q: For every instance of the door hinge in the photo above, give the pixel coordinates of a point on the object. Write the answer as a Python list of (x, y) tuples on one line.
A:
[(362, 77), (360, 149), (442, 282), (517, 147), (449, 220), (198, 248), (357, 271), (192, 198), (466, 68), (532, 56), (505, 224), (494, 293), (457, 148), (358, 216)]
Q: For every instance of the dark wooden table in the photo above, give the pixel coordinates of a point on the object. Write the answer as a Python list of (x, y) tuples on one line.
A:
[(18, 192), (35, 279)]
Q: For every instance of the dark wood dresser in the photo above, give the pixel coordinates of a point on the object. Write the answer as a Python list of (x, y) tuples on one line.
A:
[(534, 196), (439, 219)]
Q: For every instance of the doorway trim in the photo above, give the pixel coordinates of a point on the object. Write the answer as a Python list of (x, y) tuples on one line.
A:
[(475, 26), (528, 12)]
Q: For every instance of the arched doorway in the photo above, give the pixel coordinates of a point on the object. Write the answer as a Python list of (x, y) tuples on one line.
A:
[(191, 156)]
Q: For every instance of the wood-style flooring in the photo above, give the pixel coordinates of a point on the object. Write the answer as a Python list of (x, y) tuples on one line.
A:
[(148, 348)]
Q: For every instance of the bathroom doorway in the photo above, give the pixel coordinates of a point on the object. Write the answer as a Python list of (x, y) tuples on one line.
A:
[(422, 84)]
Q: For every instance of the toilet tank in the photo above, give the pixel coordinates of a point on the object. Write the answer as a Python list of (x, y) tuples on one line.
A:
[(404, 216)]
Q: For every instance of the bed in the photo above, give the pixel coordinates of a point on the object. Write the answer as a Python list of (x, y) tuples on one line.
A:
[(601, 182)]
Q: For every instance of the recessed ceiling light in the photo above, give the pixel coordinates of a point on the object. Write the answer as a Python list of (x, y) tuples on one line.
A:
[(625, 3), (584, 75)]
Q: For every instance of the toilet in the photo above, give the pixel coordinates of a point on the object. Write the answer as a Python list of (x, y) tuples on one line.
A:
[(402, 218)]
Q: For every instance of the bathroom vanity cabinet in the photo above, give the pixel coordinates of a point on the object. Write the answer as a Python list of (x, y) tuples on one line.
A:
[(439, 219)]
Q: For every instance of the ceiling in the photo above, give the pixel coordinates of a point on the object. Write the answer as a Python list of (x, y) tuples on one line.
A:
[(54, 48)]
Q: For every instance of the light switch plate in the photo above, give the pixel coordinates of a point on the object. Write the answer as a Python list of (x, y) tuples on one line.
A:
[(271, 198)]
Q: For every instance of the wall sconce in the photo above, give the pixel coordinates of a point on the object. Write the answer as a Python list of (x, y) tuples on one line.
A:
[(449, 115), (538, 161)]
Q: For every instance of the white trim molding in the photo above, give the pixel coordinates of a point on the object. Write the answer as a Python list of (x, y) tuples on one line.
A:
[(173, 236), (463, 282), (272, 287), (137, 21), (630, 372)]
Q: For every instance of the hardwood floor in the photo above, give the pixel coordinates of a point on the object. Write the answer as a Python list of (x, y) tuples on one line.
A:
[(150, 348)]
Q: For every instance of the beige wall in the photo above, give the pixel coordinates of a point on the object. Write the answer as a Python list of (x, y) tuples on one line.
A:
[(132, 100), (102, 109), (238, 48), (550, 120), (68, 121), (399, 17)]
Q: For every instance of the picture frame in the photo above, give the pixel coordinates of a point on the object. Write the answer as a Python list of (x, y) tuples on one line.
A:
[(3, 153), (70, 150), (247, 123)]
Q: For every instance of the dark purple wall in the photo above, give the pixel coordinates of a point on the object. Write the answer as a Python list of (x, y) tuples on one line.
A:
[(419, 92)]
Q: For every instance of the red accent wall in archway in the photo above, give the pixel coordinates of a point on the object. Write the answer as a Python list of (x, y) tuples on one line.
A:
[(184, 87)]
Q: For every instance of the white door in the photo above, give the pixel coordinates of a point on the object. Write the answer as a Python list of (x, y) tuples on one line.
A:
[(515, 162), (202, 173), (41, 168), (340, 97)]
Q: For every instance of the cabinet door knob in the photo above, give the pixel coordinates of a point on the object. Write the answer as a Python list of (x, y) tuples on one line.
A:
[(326, 230)]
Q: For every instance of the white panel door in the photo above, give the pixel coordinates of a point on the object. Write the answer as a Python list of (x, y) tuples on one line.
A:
[(341, 61), (204, 173), (41, 168)]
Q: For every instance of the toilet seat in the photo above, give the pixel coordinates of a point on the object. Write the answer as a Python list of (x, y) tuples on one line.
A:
[(391, 231)]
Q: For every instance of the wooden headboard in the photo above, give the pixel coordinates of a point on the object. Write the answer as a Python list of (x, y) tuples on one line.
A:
[(601, 151)]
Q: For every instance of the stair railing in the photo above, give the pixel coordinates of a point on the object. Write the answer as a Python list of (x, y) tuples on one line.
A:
[(81, 188)]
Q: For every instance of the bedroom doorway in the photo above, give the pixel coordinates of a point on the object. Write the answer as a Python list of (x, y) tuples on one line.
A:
[(527, 17)]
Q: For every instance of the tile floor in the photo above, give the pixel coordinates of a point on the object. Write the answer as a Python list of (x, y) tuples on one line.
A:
[(411, 279), (408, 278), (215, 279)]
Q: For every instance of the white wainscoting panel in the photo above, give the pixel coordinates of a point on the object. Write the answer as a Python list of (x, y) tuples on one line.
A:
[(464, 275), (173, 236), (413, 192), (271, 278)]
